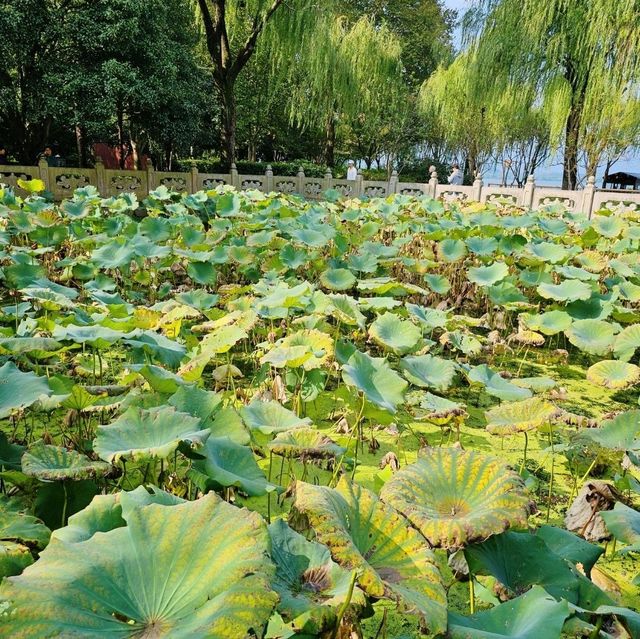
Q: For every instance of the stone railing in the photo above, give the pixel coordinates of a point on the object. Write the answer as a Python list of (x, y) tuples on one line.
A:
[(63, 181)]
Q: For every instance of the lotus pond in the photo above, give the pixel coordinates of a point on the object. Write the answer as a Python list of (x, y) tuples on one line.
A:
[(235, 415)]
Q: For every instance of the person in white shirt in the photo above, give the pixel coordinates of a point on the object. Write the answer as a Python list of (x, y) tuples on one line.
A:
[(352, 172), (456, 178)]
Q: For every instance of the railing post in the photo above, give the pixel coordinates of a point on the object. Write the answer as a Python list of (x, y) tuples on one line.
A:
[(269, 180), (433, 184), (587, 196), (194, 179), (233, 176), (101, 178), (328, 180), (477, 188), (393, 182), (300, 180), (43, 170), (529, 188), (359, 187), (151, 178)]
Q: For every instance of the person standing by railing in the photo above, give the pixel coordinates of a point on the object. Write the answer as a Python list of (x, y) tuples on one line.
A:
[(456, 178), (352, 172)]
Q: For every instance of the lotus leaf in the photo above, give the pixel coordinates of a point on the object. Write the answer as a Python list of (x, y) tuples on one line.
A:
[(549, 252), (488, 275), (592, 336), (537, 565), (51, 463), (366, 535), (608, 226), (373, 377), (566, 291), (482, 245), (196, 402), (624, 524), (318, 348), (395, 334), (10, 454), (338, 279), (613, 374), (158, 378), (456, 497), (620, 433), (534, 614), (147, 434), (570, 547), (592, 261), (270, 418), (550, 322), (19, 390), (517, 417), (144, 579), (16, 525), (536, 384), (451, 250), (438, 284), (627, 342), (428, 371), (312, 587), (306, 443), (221, 463), (496, 385), (346, 311), (430, 318)]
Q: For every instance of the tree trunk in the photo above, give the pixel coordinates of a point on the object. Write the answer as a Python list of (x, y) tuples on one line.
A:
[(330, 142), (228, 124), (570, 160), (81, 147)]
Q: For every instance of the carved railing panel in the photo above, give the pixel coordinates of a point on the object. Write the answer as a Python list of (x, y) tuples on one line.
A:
[(119, 182), (285, 186), (10, 175), (313, 189)]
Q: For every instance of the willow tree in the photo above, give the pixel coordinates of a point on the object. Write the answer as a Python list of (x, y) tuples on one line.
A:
[(563, 49), (233, 30), (344, 70)]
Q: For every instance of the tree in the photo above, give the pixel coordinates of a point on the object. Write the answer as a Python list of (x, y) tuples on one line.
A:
[(563, 50)]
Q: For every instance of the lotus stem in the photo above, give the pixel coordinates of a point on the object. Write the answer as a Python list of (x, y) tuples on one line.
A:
[(526, 446), (64, 503), (613, 548), (472, 595), (553, 459), (596, 631), (345, 605), (269, 493)]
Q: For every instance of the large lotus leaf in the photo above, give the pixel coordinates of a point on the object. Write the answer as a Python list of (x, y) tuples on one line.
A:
[(624, 524), (221, 463), (456, 497), (620, 433), (306, 443), (287, 356), (368, 536), (428, 371), (451, 250), (548, 252), (166, 350), (570, 547), (537, 565), (534, 615), (20, 345), (16, 525), (438, 283), (312, 587), (516, 417), (346, 311), (319, 345), (536, 384), (397, 335), (160, 379), (592, 261), (19, 390), (197, 402), (608, 226), (10, 454), (613, 374), (592, 336), (549, 323), (566, 291), (338, 279), (430, 318), (100, 337), (51, 463), (627, 342), (462, 341), (193, 570), (575, 273), (496, 385), (488, 275), (148, 434), (271, 417), (482, 245), (14, 558), (373, 377)]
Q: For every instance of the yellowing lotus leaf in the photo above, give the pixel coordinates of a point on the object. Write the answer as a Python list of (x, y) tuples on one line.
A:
[(613, 374), (455, 497), (517, 417)]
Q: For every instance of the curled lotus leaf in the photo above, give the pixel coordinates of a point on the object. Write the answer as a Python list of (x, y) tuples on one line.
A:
[(496, 385), (517, 417), (312, 587), (608, 226), (346, 311), (438, 283), (533, 614), (592, 335), (566, 291), (456, 497), (366, 535), (548, 252), (530, 338), (271, 417), (318, 347), (221, 463), (338, 279), (620, 433), (395, 334), (373, 377), (140, 434), (306, 443), (19, 390), (287, 356), (550, 322), (52, 463), (144, 579), (627, 342), (428, 371), (613, 374), (592, 261), (430, 318)]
